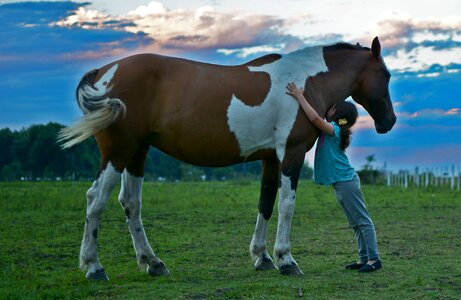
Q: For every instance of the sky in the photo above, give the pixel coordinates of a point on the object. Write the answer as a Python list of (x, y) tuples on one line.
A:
[(47, 46)]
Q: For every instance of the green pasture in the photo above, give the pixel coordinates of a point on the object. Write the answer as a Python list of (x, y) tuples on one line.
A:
[(202, 232)]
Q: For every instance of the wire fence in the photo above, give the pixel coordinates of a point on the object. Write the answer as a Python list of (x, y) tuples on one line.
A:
[(448, 176)]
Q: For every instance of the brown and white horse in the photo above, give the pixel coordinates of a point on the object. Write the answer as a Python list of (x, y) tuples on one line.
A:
[(212, 115)]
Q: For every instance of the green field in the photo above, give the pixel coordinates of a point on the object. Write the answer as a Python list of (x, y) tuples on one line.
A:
[(202, 232)]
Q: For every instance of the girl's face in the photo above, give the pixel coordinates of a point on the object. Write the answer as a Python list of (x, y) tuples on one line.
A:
[(330, 113)]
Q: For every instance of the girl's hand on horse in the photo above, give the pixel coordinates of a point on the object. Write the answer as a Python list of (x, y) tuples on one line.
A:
[(295, 92)]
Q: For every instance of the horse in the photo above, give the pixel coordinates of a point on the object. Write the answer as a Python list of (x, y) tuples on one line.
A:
[(214, 115)]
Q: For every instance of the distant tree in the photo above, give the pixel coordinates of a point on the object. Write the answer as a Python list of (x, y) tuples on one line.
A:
[(6, 142), (82, 160), (33, 153), (368, 174), (370, 160), (160, 165), (44, 153)]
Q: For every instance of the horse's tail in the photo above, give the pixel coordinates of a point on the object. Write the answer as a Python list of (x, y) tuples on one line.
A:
[(99, 111)]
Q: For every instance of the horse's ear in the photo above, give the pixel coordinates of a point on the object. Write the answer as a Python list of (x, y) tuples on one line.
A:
[(376, 48)]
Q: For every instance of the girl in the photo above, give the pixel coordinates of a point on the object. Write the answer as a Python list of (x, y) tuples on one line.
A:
[(331, 166)]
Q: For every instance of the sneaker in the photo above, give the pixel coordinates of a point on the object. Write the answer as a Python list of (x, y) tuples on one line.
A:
[(371, 268), (354, 266)]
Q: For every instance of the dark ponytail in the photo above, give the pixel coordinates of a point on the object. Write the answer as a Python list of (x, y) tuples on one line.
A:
[(345, 136), (345, 116)]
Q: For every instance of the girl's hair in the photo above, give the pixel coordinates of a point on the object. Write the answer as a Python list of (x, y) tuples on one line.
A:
[(348, 111)]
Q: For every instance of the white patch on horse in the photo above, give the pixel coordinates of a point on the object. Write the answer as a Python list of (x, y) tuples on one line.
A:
[(286, 207), (268, 125), (103, 83), (258, 242), (99, 88)]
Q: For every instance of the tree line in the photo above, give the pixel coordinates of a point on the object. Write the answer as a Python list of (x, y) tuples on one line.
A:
[(33, 153)]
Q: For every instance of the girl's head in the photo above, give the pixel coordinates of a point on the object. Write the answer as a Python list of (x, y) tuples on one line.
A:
[(345, 115), (343, 110)]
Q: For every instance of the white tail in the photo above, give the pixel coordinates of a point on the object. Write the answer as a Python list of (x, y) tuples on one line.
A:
[(99, 112)]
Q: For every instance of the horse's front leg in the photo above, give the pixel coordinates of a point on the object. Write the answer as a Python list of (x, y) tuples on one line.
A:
[(131, 200), (291, 168), (269, 185)]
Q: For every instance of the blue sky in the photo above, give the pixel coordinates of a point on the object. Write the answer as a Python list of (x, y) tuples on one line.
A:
[(46, 47)]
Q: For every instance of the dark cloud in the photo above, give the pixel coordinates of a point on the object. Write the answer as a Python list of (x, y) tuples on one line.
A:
[(181, 39), (14, 15), (27, 35)]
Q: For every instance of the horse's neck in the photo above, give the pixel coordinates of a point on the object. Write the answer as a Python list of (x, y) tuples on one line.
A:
[(335, 85)]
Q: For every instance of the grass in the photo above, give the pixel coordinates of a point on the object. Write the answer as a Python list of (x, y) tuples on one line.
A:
[(202, 232)]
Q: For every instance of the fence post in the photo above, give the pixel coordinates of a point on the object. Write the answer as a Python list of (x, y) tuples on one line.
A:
[(436, 177), (426, 179), (458, 178)]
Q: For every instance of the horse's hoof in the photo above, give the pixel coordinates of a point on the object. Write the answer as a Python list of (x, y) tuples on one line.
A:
[(158, 270), (292, 269), (99, 275), (264, 264)]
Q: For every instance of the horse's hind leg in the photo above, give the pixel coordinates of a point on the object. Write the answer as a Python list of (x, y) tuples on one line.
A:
[(269, 184), (130, 199), (97, 197)]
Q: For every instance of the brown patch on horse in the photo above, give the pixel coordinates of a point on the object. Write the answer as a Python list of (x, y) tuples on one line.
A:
[(259, 83), (264, 60)]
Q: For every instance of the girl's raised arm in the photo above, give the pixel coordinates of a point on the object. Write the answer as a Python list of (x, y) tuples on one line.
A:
[(311, 114)]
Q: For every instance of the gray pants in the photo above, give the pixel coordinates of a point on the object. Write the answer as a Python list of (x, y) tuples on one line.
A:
[(350, 198)]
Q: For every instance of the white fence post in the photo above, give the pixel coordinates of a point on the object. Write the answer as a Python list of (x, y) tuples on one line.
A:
[(458, 178), (426, 181), (416, 177)]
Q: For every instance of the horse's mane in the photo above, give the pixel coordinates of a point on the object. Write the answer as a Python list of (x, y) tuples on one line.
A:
[(349, 46)]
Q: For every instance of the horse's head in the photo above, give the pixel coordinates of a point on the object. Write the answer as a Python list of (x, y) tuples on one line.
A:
[(372, 90)]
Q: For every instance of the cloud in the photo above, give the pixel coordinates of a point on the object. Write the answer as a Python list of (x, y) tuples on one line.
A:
[(398, 30), (415, 45), (422, 60), (428, 114), (188, 30), (364, 122), (453, 111)]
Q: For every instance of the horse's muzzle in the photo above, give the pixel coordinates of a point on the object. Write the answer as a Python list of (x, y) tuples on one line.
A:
[(384, 128)]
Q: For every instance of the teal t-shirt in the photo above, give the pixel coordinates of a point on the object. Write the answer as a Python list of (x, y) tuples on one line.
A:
[(331, 163)]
